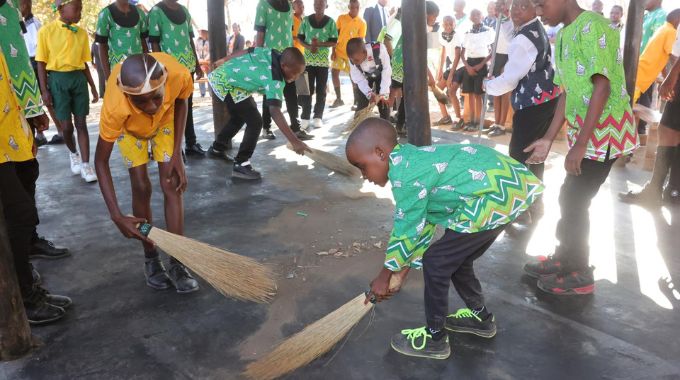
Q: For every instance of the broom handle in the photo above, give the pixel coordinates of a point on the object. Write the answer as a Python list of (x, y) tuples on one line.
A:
[(485, 100)]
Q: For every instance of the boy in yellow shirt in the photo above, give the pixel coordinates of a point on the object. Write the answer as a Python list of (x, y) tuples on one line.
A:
[(349, 25), (146, 105), (62, 56)]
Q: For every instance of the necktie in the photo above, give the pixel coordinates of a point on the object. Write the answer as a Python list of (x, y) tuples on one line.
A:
[(384, 20)]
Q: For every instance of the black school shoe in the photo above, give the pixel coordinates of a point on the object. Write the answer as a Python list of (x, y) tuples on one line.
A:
[(218, 153), (195, 150), (156, 276), (55, 300), (245, 171), (181, 279), (419, 343), (303, 136), (543, 266), (45, 249), (568, 284), (267, 134), (37, 278), (467, 322), (38, 310), (56, 139)]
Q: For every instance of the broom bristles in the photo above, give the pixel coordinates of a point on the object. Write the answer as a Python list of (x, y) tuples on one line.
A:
[(233, 275), (647, 114), (335, 163), (310, 343), (360, 116), (439, 95)]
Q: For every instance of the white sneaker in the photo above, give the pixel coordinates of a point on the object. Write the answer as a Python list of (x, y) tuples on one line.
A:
[(317, 123), (75, 162), (87, 173), (304, 124)]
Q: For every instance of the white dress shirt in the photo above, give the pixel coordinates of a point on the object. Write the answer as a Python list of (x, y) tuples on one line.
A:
[(31, 36), (369, 66), (477, 44)]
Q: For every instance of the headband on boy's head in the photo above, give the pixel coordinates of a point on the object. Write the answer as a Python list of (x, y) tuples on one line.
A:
[(149, 85), (59, 3)]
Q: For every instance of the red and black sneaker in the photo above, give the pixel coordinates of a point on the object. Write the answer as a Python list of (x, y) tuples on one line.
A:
[(543, 266), (568, 284)]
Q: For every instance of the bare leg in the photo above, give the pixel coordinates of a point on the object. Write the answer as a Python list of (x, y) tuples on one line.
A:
[(497, 109), (453, 90), (141, 197), (478, 107), (505, 102), (68, 135), (173, 204), (83, 138), (57, 123)]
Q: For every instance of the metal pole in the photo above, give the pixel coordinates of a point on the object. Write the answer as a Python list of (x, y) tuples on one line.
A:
[(636, 10), (485, 99), (15, 333), (218, 50), (415, 72)]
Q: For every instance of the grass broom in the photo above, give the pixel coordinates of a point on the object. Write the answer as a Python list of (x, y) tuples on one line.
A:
[(314, 341), (360, 116), (332, 162), (647, 114), (440, 95), (233, 275)]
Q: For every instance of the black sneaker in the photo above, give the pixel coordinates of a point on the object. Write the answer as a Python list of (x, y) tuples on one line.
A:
[(245, 171), (419, 342), (568, 284), (195, 150), (460, 124), (496, 131), (337, 103), (55, 300), (467, 322), (267, 134), (56, 139), (38, 311), (543, 266), (155, 274), (40, 140), (181, 279), (303, 136), (645, 197), (443, 121), (218, 153), (37, 278), (45, 249)]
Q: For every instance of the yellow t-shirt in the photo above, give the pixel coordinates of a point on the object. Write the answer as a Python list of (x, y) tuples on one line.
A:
[(654, 58), (348, 28), (61, 48), (16, 137), (118, 115), (296, 26)]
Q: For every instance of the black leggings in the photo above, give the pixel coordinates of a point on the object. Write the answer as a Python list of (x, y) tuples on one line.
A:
[(243, 112), (528, 125), (318, 78)]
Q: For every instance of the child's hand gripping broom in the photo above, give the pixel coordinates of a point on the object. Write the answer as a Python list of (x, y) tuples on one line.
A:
[(233, 275), (316, 339), (332, 162)]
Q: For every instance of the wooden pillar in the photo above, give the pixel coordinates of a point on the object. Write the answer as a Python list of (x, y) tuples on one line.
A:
[(633, 38), (15, 333), (415, 72), (218, 50)]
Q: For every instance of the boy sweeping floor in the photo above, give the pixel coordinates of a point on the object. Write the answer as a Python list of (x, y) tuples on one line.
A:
[(472, 191)]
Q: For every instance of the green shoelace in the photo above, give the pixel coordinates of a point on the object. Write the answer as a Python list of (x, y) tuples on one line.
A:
[(413, 334), (465, 313)]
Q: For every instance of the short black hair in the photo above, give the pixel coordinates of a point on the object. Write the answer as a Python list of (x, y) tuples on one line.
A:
[(431, 8), (673, 16), (354, 46), (292, 56), (370, 132), (618, 7), (353, 1)]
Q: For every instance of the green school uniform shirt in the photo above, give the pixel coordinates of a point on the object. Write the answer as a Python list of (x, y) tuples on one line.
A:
[(173, 31), (397, 60), (122, 32), (259, 70), (466, 188), (276, 22), (324, 31), (586, 47), (13, 47), (650, 23)]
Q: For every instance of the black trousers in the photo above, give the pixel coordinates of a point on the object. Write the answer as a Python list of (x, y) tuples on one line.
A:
[(450, 259), (243, 112), (362, 101), (528, 125), (291, 98), (189, 131), (645, 99), (573, 228), (17, 194), (318, 79)]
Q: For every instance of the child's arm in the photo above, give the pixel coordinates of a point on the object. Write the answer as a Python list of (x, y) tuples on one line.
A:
[(104, 58), (386, 75), (198, 70), (93, 87), (176, 165), (44, 89), (360, 80), (540, 148), (667, 89), (298, 146)]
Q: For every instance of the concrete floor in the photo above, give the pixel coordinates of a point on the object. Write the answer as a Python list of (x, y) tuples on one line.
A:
[(121, 329)]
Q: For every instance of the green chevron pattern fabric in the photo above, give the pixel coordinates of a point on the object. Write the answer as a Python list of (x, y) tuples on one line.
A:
[(175, 38)]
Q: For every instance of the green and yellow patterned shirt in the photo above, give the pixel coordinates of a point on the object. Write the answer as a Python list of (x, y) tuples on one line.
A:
[(259, 70), (275, 19), (173, 31), (122, 32), (13, 47), (393, 33), (586, 47), (324, 31), (466, 188)]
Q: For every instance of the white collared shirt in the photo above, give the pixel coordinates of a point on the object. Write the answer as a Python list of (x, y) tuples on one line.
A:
[(369, 66), (31, 36)]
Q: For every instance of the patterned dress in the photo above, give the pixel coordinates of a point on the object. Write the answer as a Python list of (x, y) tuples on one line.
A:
[(465, 188), (173, 31), (276, 21), (397, 61), (586, 47), (21, 72), (123, 33), (324, 31)]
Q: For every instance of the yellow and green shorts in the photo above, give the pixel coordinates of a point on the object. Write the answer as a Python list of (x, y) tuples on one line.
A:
[(340, 63), (135, 151)]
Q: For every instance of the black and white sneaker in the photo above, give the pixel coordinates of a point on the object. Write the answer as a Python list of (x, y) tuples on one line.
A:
[(38, 310), (467, 322), (303, 136), (420, 343), (219, 153), (267, 134), (245, 171)]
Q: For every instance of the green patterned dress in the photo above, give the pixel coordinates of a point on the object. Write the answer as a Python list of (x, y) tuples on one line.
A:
[(122, 32), (397, 62), (325, 31), (13, 47), (173, 31), (466, 188), (276, 22)]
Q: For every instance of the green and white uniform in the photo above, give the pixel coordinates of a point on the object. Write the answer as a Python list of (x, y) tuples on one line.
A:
[(173, 31), (275, 19), (323, 31), (123, 32)]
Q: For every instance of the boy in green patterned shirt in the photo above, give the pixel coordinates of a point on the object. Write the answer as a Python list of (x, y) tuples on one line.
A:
[(473, 192), (170, 32), (317, 34)]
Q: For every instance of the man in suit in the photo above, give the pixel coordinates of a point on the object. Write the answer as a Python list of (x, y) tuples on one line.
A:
[(376, 17)]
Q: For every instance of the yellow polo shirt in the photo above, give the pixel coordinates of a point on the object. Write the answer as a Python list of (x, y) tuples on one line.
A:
[(62, 49), (348, 28), (654, 58), (16, 137), (296, 26), (119, 115)]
